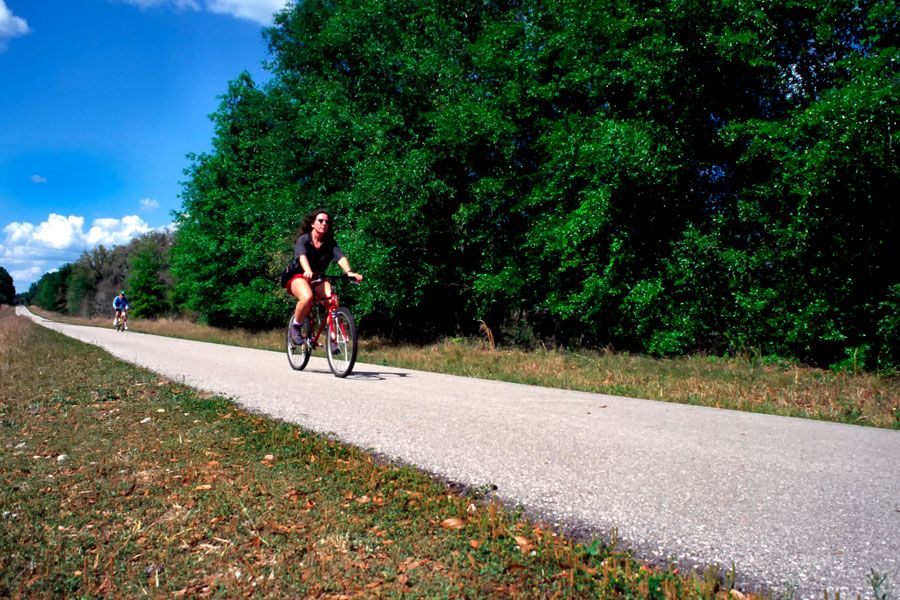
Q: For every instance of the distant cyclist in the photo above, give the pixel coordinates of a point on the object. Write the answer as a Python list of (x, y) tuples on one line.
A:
[(121, 306), (315, 249)]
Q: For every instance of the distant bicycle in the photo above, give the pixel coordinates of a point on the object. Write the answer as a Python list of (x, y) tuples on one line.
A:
[(340, 343), (120, 304), (121, 319)]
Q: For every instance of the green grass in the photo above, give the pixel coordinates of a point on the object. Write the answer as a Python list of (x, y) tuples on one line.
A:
[(118, 483), (749, 384)]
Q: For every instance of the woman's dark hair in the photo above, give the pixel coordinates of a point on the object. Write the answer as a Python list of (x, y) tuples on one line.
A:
[(308, 220)]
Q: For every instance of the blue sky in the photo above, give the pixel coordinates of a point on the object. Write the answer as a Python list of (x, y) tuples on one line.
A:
[(100, 102)]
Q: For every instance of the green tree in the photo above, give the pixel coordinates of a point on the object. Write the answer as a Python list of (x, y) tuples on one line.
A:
[(147, 290), (49, 292), (236, 215), (367, 84), (7, 289), (814, 205), (80, 290)]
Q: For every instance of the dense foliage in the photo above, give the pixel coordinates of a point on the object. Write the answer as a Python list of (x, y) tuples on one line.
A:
[(149, 285), (663, 176)]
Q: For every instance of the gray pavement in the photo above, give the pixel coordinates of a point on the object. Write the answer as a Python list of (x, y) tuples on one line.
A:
[(794, 504)]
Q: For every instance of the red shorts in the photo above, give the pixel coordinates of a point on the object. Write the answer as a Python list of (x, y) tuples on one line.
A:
[(299, 276), (291, 282)]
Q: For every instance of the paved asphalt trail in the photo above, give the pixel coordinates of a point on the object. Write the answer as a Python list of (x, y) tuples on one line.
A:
[(792, 503)]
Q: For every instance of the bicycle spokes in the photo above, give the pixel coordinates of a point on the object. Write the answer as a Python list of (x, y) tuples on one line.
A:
[(341, 347)]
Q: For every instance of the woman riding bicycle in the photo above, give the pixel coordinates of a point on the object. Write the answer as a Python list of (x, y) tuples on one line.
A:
[(314, 249)]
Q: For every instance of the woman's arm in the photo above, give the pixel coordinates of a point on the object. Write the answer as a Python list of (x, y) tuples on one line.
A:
[(307, 270), (344, 264)]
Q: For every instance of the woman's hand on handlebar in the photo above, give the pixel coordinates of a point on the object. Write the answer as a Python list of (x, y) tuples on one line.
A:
[(352, 275), (313, 278)]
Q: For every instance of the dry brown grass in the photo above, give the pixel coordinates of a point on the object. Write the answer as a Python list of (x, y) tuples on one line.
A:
[(11, 328), (734, 383)]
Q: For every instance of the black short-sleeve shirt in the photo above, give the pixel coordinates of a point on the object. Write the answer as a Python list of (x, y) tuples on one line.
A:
[(318, 258)]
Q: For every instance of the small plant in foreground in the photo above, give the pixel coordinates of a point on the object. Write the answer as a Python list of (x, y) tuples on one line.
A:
[(877, 581)]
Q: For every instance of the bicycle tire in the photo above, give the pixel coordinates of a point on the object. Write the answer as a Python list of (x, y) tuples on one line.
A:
[(342, 334), (298, 351)]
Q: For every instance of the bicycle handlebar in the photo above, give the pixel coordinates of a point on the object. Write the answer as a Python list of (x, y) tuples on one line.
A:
[(321, 278)]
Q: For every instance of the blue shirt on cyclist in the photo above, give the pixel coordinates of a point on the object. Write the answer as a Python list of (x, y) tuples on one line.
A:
[(121, 302)]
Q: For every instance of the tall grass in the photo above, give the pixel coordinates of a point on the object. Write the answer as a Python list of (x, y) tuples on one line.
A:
[(773, 387), (11, 328)]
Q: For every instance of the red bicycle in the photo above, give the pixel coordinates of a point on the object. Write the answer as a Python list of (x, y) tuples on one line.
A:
[(340, 347)]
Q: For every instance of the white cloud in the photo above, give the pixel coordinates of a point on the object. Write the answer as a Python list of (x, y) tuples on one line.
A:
[(113, 232), (10, 26), (38, 179), (18, 233), (58, 232), (149, 204), (28, 251), (260, 11)]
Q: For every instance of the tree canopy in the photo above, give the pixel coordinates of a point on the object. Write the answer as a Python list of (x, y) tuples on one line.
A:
[(662, 176)]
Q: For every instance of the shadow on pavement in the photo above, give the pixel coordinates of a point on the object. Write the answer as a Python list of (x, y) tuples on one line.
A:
[(374, 375)]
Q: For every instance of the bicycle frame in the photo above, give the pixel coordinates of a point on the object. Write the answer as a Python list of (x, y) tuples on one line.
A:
[(330, 304), (121, 317), (341, 347)]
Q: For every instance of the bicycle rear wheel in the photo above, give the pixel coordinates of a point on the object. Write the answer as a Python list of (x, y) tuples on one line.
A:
[(341, 346), (298, 349)]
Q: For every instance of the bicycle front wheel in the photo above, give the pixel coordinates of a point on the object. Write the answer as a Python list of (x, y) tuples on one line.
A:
[(341, 346), (298, 349)]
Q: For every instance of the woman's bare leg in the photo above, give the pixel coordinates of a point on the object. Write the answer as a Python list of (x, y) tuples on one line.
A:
[(305, 295), (303, 292)]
